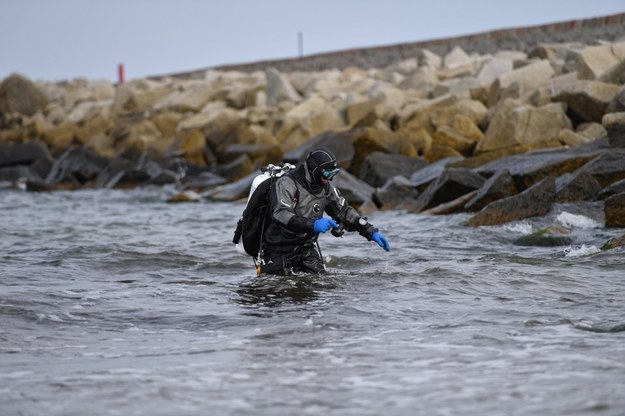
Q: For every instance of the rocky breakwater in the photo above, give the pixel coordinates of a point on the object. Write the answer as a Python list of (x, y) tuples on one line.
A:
[(503, 135)]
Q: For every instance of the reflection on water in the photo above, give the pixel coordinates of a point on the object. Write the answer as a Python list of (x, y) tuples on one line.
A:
[(114, 302)]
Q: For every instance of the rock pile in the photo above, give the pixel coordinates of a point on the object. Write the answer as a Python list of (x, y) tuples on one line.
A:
[(505, 134)]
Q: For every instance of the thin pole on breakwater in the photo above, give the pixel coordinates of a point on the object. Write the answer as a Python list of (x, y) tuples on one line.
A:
[(300, 44)]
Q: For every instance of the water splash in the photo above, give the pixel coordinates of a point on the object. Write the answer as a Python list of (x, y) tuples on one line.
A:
[(582, 251), (579, 221), (519, 228)]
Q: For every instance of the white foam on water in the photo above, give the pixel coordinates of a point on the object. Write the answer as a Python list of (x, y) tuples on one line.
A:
[(519, 228), (579, 221), (582, 251)]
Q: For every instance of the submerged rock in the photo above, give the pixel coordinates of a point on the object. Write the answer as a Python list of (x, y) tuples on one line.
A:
[(614, 243)]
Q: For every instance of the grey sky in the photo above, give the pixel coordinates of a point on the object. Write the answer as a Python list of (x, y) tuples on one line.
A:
[(62, 39)]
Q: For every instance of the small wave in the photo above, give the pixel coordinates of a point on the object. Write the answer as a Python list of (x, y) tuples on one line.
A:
[(579, 221), (519, 228), (582, 251)]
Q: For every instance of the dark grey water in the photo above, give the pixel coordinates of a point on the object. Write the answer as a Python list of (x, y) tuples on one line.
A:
[(116, 303)]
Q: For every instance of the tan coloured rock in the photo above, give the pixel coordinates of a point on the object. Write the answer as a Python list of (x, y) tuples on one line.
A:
[(98, 124), (475, 111), (595, 61), (524, 79), (130, 99), (193, 98), (450, 137), (89, 109), (139, 136), (279, 88), (193, 144), (492, 68), (167, 123), (19, 94), (60, 137), (588, 100), (516, 123), (430, 59)]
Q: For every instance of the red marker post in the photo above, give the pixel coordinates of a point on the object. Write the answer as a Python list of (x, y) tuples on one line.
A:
[(120, 73)]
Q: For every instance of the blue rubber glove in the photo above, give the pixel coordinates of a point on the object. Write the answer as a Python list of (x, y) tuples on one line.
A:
[(381, 240), (324, 224)]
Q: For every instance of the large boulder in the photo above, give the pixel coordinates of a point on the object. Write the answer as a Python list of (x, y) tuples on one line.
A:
[(279, 88), (192, 99), (529, 168), (608, 168), (615, 211), (500, 185), (595, 61), (515, 124), (422, 178), (535, 201), (522, 80), (77, 165), (451, 184), (616, 188), (19, 94), (586, 100), (379, 167), (22, 153), (577, 186), (261, 154), (355, 191), (339, 143), (395, 192)]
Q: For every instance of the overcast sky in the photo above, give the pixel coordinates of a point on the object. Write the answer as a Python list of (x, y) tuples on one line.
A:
[(63, 39)]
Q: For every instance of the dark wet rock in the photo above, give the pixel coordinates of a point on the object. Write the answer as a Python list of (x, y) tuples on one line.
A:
[(236, 169), (379, 167), (500, 185), (38, 185), (451, 206), (608, 168), (76, 165), (615, 211), (355, 191), (203, 181), (113, 173), (339, 143), (616, 188), (423, 177), (395, 191), (261, 154), (14, 173), (451, 184), (543, 240), (19, 94), (577, 186), (528, 169), (614, 243), (535, 201), (233, 191), (22, 153)]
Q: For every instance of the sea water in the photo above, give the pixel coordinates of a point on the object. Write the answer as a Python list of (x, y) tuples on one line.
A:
[(117, 303)]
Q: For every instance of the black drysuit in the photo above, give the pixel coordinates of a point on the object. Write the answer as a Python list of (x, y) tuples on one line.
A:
[(289, 242)]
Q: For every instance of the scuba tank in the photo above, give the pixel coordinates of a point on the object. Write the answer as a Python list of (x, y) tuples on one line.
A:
[(249, 231)]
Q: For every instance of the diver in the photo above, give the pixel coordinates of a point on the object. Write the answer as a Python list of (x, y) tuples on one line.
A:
[(298, 201)]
